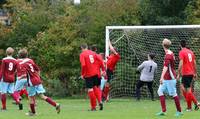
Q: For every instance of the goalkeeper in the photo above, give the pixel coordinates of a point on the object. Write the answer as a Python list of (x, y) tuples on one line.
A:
[(148, 69)]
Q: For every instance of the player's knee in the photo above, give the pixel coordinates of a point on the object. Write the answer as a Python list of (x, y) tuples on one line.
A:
[(31, 100), (160, 93), (174, 95), (90, 89), (42, 96)]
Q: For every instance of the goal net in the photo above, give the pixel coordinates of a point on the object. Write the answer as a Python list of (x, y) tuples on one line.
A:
[(134, 43)]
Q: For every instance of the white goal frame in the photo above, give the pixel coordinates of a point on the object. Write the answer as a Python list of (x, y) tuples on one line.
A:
[(108, 28), (123, 35)]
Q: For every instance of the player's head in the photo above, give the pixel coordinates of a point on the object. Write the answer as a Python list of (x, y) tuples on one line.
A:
[(183, 44), (84, 46), (94, 48), (151, 56), (23, 53), (9, 51), (102, 55), (166, 43)]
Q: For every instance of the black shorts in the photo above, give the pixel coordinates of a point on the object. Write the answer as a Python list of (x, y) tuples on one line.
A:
[(109, 74), (99, 81), (92, 81), (187, 80)]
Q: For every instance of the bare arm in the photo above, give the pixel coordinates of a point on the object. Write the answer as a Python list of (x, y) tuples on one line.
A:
[(195, 69), (112, 48), (163, 74), (156, 69), (179, 69), (82, 61)]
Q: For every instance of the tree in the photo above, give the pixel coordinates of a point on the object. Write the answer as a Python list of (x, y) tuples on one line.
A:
[(162, 12), (193, 12)]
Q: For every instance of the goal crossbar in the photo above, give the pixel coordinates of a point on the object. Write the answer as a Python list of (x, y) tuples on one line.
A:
[(142, 27), (153, 27)]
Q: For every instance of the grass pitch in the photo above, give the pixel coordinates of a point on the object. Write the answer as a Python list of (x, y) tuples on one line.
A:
[(115, 109)]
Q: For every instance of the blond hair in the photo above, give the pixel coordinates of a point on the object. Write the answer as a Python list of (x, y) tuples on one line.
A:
[(9, 51), (166, 43)]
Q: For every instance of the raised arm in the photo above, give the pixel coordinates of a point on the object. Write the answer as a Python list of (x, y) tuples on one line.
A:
[(112, 48)]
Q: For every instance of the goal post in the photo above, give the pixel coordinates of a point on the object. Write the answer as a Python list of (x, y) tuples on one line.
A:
[(134, 43)]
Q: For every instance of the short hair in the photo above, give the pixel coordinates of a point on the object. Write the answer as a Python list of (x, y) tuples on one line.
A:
[(9, 51), (183, 43), (152, 55), (84, 46), (102, 55), (166, 43), (94, 47), (23, 53)]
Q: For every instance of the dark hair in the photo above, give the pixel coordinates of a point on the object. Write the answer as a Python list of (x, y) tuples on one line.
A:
[(23, 53), (103, 55), (152, 55), (84, 46), (183, 43), (94, 47)]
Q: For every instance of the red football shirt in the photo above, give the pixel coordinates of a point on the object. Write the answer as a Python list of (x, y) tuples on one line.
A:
[(21, 71), (112, 61), (33, 72), (169, 60), (89, 63), (188, 58), (9, 67)]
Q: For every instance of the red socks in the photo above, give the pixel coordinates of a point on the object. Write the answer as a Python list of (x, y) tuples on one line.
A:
[(23, 91), (51, 102), (15, 97), (189, 100), (92, 99), (3, 101), (97, 92), (106, 92), (32, 106), (184, 94), (162, 102), (194, 100), (177, 103)]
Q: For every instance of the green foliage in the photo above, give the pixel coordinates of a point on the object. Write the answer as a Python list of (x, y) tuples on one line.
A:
[(193, 12), (53, 31), (162, 12), (30, 21)]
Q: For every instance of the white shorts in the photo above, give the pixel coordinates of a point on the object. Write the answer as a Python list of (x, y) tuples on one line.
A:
[(169, 87), (7, 87), (20, 84), (33, 90)]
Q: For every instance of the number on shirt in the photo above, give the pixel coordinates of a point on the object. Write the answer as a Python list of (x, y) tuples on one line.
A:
[(190, 57), (91, 57), (10, 66), (31, 67), (150, 69)]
